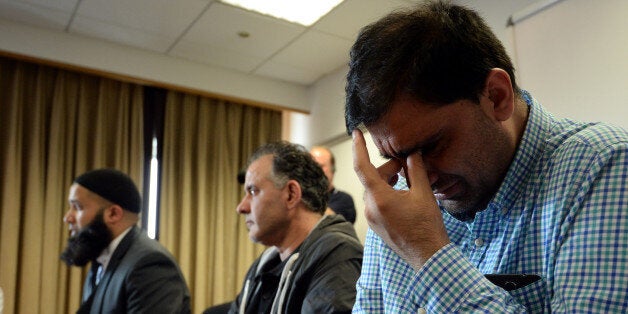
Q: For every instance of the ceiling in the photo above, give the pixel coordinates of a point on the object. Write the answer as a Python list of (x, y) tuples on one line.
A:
[(206, 31)]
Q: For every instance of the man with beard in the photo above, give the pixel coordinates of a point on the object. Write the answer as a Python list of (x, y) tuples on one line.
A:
[(130, 272), (507, 209)]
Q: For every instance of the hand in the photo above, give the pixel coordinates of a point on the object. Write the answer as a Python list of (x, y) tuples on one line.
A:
[(410, 222)]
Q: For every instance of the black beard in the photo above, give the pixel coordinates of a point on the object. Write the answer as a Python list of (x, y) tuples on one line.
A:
[(88, 243)]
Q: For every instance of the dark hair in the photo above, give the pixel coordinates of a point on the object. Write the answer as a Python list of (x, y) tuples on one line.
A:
[(294, 162), (437, 53)]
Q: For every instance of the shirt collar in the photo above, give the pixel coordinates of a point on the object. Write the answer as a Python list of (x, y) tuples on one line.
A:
[(105, 256), (528, 153)]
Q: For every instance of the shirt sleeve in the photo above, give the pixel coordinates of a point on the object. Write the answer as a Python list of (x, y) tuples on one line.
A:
[(369, 297), (591, 242), (449, 283)]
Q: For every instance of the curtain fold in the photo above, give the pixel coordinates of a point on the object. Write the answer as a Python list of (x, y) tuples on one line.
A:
[(206, 143), (54, 125)]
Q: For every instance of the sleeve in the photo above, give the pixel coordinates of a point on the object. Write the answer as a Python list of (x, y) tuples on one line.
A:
[(157, 286), (591, 264), (369, 297), (449, 283)]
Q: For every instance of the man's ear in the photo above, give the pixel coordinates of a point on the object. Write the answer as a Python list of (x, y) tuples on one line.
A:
[(113, 214), (294, 193), (501, 96)]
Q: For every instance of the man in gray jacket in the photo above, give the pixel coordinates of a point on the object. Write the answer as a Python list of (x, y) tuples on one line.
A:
[(313, 261)]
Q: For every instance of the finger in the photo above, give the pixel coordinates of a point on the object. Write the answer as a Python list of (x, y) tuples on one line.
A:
[(361, 161), (416, 173), (389, 171)]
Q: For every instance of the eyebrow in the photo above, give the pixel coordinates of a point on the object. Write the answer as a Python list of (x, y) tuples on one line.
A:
[(404, 153)]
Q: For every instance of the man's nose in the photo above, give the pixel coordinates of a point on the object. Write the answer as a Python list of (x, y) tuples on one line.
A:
[(68, 218), (432, 172), (243, 207)]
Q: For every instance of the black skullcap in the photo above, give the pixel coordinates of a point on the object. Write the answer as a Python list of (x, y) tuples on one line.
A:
[(114, 186), (241, 176)]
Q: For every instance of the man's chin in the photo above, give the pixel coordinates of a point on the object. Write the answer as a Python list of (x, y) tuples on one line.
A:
[(76, 254), (457, 209), (87, 244)]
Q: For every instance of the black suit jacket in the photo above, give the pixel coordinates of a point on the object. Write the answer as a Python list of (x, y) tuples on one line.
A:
[(141, 277)]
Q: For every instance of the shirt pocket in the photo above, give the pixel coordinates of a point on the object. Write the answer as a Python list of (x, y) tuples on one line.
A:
[(533, 296)]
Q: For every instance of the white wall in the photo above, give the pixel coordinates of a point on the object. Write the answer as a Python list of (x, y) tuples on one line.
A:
[(573, 57), (325, 122)]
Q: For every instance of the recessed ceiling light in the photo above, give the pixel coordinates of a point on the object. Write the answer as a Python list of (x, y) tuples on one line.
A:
[(304, 12)]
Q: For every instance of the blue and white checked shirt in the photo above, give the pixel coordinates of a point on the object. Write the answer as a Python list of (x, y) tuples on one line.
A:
[(561, 213)]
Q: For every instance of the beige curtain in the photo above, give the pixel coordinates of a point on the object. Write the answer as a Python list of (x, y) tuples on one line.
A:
[(54, 125), (206, 143)]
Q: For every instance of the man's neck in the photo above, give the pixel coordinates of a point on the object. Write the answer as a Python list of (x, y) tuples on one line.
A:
[(519, 120), (299, 231), (105, 255)]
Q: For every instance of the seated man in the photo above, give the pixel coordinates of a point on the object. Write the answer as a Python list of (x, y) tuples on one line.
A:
[(313, 261), (130, 272), (340, 202)]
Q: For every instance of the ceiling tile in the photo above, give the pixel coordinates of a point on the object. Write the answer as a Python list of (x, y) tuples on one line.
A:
[(220, 25), (120, 34), (315, 50), (215, 56), (37, 15), (61, 5), (164, 17), (350, 16), (288, 73)]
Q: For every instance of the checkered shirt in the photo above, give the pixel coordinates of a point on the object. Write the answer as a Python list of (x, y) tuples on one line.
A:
[(560, 213)]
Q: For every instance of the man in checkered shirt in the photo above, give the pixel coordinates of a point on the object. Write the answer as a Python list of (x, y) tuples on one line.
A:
[(499, 206)]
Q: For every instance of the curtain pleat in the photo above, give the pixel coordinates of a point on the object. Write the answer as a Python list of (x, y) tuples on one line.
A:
[(54, 125), (206, 143)]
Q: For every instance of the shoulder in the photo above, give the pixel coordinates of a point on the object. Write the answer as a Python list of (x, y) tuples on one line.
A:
[(333, 234), (584, 147), (341, 194), (144, 252), (587, 137)]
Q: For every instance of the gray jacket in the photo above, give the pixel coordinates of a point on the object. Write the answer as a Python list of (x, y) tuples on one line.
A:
[(319, 278)]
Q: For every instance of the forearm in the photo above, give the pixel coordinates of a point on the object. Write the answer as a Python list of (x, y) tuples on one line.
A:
[(448, 283)]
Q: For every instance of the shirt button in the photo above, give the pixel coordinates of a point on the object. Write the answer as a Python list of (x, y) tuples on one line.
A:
[(504, 211), (478, 242), (421, 311)]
